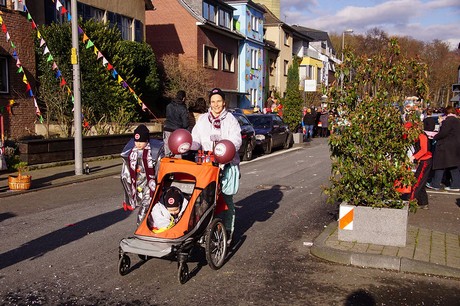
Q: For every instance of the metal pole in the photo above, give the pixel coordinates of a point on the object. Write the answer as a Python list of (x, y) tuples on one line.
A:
[(76, 92)]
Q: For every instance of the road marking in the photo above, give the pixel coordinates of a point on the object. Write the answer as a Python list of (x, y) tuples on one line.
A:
[(444, 192), (270, 155)]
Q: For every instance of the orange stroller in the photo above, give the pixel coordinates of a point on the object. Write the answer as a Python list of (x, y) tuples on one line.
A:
[(197, 226)]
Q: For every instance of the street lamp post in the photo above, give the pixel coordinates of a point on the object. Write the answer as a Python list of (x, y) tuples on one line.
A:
[(343, 47)]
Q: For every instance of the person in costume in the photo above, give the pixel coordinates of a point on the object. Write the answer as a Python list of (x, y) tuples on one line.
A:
[(219, 124), (140, 158)]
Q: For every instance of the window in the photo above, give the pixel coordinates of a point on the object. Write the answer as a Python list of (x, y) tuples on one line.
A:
[(124, 24), (286, 67), (318, 73), (255, 23), (4, 75), (253, 94), (309, 73), (88, 12), (209, 12), (224, 19), (228, 62), (272, 66), (254, 59), (126, 27), (2, 2), (286, 38), (138, 31), (210, 58)]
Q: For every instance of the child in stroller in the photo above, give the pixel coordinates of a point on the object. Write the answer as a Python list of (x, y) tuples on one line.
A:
[(167, 212)]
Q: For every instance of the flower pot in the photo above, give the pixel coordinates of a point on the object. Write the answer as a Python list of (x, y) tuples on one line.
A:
[(20, 182), (383, 226)]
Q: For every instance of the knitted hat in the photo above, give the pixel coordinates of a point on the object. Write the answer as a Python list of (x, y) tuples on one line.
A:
[(216, 91), (141, 133), (173, 197)]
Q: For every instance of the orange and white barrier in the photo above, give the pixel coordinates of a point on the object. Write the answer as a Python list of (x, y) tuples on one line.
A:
[(346, 217)]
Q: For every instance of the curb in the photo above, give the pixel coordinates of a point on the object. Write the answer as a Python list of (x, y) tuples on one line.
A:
[(79, 179), (320, 250)]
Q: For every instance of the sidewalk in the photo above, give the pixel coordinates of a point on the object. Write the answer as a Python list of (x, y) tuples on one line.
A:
[(433, 241), (59, 174), (432, 247)]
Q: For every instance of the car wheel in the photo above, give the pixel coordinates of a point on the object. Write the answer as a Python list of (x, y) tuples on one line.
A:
[(248, 151), (269, 146), (288, 142)]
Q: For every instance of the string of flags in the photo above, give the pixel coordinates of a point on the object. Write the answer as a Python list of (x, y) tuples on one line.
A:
[(15, 55), (49, 56), (90, 44)]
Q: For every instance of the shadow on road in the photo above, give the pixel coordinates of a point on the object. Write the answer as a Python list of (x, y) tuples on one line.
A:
[(40, 246), (247, 213)]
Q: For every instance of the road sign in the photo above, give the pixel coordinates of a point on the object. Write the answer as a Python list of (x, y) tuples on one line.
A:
[(456, 87)]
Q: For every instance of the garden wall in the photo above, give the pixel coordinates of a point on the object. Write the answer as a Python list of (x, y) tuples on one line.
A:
[(41, 151)]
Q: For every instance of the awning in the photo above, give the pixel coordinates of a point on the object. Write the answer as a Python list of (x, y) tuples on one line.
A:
[(308, 61)]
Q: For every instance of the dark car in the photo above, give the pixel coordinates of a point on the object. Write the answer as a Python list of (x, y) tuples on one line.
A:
[(248, 135), (271, 132)]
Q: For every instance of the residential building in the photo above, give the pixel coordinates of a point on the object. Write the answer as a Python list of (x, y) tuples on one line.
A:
[(17, 101), (128, 16), (273, 6), (249, 21), (282, 36), (318, 58), (199, 32), (17, 73)]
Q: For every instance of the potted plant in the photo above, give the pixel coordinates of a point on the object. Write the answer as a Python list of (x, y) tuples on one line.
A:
[(21, 181), (369, 144)]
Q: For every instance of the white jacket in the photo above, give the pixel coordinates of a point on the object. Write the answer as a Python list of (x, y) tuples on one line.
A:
[(204, 131)]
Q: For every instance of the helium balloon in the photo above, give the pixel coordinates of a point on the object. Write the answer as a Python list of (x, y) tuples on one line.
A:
[(180, 141), (224, 151)]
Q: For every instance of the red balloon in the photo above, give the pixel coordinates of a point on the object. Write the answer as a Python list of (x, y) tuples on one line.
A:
[(180, 141), (224, 151)]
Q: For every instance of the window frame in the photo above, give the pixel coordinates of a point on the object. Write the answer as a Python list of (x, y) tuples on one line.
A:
[(254, 59), (255, 23), (4, 74), (224, 19), (213, 55), (209, 12), (253, 93), (286, 67), (228, 59), (286, 38)]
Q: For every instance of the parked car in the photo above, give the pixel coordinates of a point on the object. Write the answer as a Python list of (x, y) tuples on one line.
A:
[(271, 132), (248, 135)]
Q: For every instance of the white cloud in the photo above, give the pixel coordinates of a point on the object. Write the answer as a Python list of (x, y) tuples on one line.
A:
[(422, 20)]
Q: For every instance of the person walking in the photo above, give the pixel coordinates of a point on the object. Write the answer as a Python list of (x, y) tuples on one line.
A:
[(309, 122), (216, 125), (177, 117), (446, 156), (422, 155), (324, 119), (138, 175)]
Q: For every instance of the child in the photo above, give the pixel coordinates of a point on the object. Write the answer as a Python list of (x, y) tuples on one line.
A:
[(167, 212), (140, 157), (422, 155)]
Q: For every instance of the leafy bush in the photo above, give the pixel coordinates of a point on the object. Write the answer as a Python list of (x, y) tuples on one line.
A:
[(369, 147)]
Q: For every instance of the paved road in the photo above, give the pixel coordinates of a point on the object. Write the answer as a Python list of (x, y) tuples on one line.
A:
[(59, 246)]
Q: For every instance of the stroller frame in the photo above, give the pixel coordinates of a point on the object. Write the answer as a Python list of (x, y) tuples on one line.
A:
[(198, 225)]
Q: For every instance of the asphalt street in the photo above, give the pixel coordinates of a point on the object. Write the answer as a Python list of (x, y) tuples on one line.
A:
[(60, 246)]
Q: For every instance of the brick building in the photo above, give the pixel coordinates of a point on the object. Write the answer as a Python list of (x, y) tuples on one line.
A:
[(16, 104)]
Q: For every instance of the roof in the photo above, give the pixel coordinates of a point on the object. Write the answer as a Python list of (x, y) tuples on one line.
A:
[(314, 34)]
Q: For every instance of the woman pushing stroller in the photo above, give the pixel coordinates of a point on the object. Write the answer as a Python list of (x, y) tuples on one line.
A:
[(215, 125)]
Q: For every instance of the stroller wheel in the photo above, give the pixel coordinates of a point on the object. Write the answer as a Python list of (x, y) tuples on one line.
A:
[(124, 263), (216, 244), (182, 273)]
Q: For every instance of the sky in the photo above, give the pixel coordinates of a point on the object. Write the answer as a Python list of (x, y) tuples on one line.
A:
[(423, 20)]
